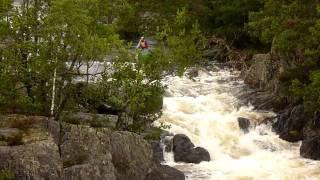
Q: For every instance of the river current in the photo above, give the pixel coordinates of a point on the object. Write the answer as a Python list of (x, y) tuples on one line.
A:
[(206, 109)]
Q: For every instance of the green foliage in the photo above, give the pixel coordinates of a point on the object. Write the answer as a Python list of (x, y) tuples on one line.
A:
[(42, 37), (180, 41), (44, 44), (310, 93), (284, 24), (6, 174), (228, 18)]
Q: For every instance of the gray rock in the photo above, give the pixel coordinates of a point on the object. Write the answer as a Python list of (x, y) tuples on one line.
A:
[(184, 150), (131, 156), (38, 160), (86, 152), (70, 152), (261, 72), (89, 171), (164, 172)]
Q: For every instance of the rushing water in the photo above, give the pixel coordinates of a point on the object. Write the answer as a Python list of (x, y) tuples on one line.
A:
[(206, 109)]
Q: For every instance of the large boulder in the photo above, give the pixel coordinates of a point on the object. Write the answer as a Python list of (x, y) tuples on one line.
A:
[(86, 153), (310, 148), (164, 172), (185, 151), (131, 155), (290, 124)]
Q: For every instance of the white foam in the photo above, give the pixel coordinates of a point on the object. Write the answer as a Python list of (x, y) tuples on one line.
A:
[(205, 109)]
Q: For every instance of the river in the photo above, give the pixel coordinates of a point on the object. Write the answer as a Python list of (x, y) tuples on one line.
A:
[(206, 109)]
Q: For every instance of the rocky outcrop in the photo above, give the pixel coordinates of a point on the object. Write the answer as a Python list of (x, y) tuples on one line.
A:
[(290, 124), (38, 160), (86, 152), (185, 151), (263, 76), (54, 152), (261, 72)]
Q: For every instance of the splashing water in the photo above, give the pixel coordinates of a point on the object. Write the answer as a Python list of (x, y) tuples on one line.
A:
[(206, 109)]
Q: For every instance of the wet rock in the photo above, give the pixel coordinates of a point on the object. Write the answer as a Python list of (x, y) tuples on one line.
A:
[(312, 128), (192, 72), (184, 150), (266, 145), (164, 172), (244, 124), (157, 151), (310, 148), (290, 124)]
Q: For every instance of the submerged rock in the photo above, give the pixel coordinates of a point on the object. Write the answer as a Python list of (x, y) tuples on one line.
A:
[(185, 151), (244, 124)]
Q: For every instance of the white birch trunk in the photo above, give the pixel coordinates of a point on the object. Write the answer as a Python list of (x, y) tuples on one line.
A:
[(53, 92)]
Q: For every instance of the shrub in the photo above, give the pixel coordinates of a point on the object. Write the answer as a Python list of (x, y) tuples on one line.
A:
[(6, 174)]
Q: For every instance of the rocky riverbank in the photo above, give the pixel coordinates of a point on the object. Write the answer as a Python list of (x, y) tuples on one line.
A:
[(293, 123), (33, 147)]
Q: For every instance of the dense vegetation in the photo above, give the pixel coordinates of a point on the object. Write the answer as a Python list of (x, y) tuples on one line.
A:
[(44, 43)]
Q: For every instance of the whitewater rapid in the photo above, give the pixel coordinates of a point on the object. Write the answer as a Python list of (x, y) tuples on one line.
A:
[(206, 109)]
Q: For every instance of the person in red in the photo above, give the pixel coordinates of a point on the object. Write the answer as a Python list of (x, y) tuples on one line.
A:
[(142, 44)]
